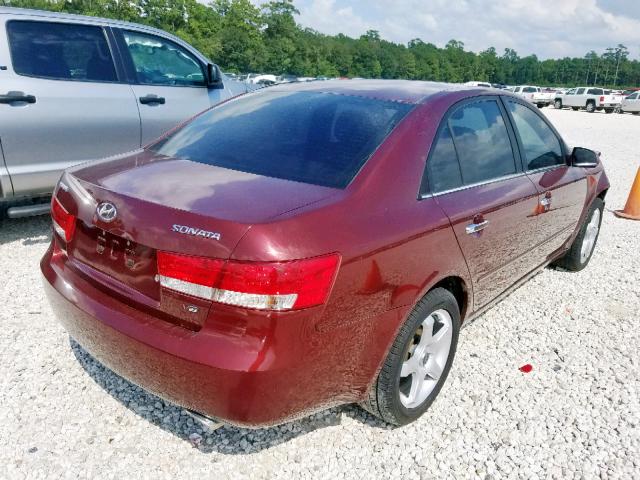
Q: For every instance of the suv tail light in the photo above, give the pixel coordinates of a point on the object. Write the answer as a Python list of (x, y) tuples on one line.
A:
[(290, 285), (601, 99), (63, 222)]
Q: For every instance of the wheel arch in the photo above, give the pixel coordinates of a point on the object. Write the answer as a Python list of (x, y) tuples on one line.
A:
[(458, 288)]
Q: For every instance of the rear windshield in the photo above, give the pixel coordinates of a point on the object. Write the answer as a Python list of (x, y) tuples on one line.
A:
[(317, 138)]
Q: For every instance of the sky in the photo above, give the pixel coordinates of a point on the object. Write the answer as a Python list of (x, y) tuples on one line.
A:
[(547, 28)]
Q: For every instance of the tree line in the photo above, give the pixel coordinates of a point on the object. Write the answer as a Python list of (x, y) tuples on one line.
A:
[(242, 37)]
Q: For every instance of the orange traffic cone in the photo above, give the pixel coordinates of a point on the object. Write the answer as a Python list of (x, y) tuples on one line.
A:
[(632, 208)]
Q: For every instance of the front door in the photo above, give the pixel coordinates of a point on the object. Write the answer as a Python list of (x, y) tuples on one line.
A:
[(562, 188), (491, 204), (168, 82), (61, 102)]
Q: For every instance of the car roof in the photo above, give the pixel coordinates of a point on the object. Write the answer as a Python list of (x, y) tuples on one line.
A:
[(404, 91)]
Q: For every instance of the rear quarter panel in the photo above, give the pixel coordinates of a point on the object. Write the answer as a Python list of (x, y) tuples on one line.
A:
[(394, 248)]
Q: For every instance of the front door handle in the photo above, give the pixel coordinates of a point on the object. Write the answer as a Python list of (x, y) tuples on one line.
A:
[(152, 99), (476, 227), (12, 97)]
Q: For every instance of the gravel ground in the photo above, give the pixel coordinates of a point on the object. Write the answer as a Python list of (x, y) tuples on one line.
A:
[(576, 415)]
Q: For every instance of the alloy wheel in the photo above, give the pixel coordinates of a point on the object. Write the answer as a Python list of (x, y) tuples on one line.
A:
[(590, 236), (426, 358)]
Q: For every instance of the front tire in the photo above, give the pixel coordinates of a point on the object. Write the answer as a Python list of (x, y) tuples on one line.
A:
[(608, 110), (558, 104), (591, 107), (419, 360), (578, 256)]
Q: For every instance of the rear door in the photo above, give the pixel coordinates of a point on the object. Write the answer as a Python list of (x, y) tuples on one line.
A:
[(62, 101), (474, 175), (562, 189), (167, 79)]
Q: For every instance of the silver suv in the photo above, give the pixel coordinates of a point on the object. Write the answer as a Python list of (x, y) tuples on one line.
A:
[(75, 88)]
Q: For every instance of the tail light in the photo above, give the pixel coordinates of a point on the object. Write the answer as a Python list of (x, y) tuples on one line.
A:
[(63, 222), (290, 285), (601, 99)]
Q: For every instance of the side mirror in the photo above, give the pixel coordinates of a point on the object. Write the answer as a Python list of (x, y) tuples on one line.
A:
[(585, 158), (214, 76)]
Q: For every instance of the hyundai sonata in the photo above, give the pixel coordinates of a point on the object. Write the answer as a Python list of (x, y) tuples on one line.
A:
[(316, 244)]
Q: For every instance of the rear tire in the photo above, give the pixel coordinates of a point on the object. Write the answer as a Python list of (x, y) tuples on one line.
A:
[(575, 108), (608, 110), (424, 349), (557, 104), (636, 113), (583, 246)]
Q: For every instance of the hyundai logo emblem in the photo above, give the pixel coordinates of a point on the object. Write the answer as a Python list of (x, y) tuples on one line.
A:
[(107, 212)]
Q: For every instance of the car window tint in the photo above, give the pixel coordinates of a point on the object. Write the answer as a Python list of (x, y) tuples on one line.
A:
[(161, 62), (482, 142), (60, 51), (517, 89), (443, 172), (541, 145), (310, 137), (529, 90), (633, 96), (580, 91)]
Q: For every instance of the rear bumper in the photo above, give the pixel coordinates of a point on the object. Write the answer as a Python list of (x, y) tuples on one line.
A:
[(244, 368)]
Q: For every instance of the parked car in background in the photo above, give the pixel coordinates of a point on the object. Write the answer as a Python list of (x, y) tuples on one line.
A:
[(533, 94), (478, 84), (256, 264), (588, 98), (87, 88), (630, 104)]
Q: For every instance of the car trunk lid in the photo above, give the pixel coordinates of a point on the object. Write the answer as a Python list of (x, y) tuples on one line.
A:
[(170, 205)]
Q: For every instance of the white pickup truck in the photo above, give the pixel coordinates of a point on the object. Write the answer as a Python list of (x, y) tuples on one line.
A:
[(589, 98), (533, 94)]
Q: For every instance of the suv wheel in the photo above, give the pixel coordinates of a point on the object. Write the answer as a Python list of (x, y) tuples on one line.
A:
[(584, 244), (591, 107), (558, 104), (419, 360)]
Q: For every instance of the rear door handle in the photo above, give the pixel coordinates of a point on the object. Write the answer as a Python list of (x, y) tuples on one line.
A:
[(476, 227), (152, 99), (12, 97)]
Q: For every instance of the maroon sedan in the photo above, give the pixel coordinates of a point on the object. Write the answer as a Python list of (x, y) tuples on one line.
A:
[(315, 244)]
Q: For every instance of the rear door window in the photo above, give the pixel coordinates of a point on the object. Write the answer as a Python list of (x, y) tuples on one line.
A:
[(443, 172), (482, 142), (580, 91), (541, 146), (311, 137), (60, 51)]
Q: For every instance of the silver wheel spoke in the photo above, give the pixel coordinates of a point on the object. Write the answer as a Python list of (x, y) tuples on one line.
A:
[(433, 368)]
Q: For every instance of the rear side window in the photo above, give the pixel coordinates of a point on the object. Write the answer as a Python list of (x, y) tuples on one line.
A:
[(541, 146), (60, 51), (482, 142), (316, 138), (580, 91), (529, 90), (443, 171), (632, 96), (594, 91), (160, 62)]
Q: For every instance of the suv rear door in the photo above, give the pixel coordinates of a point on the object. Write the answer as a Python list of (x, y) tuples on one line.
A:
[(167, 79), (62, 100), (473, 175)]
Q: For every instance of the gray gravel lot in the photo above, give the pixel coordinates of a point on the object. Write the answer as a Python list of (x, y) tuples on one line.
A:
[(576, 415)]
